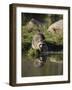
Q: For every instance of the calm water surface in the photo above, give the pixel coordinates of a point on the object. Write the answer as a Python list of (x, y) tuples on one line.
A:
[(52, 66)]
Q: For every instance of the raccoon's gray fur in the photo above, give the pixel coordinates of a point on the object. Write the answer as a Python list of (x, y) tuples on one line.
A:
[(39, 43), (38, 40)]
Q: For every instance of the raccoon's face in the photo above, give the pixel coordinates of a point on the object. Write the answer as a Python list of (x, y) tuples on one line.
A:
[(37, 42), (41, 45)]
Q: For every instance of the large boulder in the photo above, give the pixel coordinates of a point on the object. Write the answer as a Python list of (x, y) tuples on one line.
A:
[(55, 31), (33, 24), (56, 28), (30, 25)]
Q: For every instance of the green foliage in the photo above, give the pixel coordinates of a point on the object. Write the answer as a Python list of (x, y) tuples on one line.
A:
[(28, 33), (54, 38), (57, 57), (33, 53)]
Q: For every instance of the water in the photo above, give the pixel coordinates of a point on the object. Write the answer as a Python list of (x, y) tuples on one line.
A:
[(52, 65)]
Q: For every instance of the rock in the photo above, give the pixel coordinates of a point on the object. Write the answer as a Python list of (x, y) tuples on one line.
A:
[(33, 24), (56, 28), (30, 25)]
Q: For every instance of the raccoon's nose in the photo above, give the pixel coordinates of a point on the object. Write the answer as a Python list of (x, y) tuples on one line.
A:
[(41, 45)]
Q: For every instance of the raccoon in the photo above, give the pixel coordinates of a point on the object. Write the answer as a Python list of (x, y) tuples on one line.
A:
[(38, 41)]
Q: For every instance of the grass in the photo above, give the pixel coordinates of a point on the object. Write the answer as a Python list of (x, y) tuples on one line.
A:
[(27, 36), (33, 53), (52, 38)]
